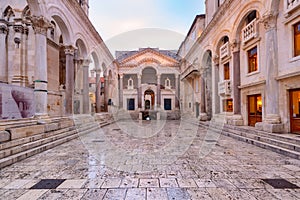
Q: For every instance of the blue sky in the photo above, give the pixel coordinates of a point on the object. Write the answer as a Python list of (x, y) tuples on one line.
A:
[(120, 18)]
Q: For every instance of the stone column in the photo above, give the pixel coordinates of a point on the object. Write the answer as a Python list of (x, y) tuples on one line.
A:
[(121, 92), (139, 91), (158, 102), (69, 51), (98, 91), (106, 87), (3, 54), (272, 121), (215, 84), (85, 78), (40, 25), (237, 118), (177, 95), (202, 95)]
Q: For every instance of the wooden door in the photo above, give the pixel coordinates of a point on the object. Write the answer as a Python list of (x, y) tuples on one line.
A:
[(254, 109), (295, 110)]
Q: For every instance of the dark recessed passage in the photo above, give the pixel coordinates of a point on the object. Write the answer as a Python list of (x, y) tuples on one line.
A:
[(280, 184), (48, 184)]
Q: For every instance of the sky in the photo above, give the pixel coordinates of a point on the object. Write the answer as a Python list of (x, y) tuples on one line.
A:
[(130, 24)]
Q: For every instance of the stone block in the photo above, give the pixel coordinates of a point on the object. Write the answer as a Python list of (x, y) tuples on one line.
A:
[(51, 127), (259, 126), (66, 123), (273, 128), (4, 136), (237, 122), (26, 131)]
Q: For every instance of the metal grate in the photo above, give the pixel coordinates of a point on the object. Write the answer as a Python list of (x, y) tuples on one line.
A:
[(48, 184), (280, 184)]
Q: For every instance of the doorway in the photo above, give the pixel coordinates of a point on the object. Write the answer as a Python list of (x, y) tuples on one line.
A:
[(295, 110), (149, 98), (254, 109)]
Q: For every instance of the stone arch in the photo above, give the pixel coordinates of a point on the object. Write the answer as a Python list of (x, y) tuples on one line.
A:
[(221, 41), (65, 31), (81, 49), (149, 75), (37, 7), (96, 61), (240, 19)]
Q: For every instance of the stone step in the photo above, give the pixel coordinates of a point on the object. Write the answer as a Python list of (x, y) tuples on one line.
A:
[(276, 145), (45, 144)]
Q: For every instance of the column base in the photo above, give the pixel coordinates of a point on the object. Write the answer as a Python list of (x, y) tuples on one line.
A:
[(271, 128), (203, 117), (235, 120)]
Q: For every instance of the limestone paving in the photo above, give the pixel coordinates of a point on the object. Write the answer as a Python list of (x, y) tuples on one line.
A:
[(164, 161)]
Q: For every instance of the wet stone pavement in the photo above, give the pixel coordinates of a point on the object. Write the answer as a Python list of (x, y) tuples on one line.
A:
[(153, 160)]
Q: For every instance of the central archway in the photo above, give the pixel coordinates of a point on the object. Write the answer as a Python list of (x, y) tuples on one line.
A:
[(149, 98)]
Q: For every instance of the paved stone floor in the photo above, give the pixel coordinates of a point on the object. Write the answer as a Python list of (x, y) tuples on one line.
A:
[(152, 160)]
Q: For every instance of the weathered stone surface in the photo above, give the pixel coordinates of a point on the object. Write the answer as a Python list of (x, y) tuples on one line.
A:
[(4, 136), (26, 131), (51, 127)]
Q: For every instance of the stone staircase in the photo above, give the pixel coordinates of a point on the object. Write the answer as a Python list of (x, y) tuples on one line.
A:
[(21, 139), (286, 144)]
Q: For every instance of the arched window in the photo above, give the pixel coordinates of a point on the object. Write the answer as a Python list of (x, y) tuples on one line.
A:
[(167, 83), (130, 83)]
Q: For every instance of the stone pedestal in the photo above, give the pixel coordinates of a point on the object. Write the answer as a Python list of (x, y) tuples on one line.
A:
[(236, 120), (203, 117)]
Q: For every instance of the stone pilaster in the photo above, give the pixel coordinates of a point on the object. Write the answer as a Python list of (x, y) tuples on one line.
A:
[(139, 91), (237, 118), (177, 89), (158, 102), (121, 92), (272, 120), (69, 104), (215, 82), (40, 25), (3, 60), (203, 114), (98, 91), (86, 99)]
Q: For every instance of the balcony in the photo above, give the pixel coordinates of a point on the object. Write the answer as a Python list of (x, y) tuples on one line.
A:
[(225, 88), (224, 50), (250, 31), (291, 5)]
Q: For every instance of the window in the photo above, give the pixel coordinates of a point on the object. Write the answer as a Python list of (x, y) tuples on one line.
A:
[(168, 104), (228, 105), (130, 83), (251, 17), (226, 71), (297, 39), (168, 83), (252, 60)]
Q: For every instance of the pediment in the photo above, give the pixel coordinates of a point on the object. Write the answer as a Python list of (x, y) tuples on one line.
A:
[(149, 56)]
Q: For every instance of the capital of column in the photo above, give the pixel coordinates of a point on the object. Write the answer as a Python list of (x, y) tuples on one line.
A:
[(98, 71), (40, 24), (139, 76), (69, 50), (216, 59), (86, 62), (235, 46), (269, 21), (121, 75)]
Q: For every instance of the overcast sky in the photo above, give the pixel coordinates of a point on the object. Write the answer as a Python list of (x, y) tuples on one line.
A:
[(129, 24)]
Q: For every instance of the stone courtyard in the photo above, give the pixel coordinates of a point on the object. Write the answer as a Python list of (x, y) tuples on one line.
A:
[(163, 160)]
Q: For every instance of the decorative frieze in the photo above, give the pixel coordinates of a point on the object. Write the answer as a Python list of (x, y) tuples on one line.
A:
[(3, 28)]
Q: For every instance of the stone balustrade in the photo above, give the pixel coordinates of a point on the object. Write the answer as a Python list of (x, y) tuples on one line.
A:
[(292, 4), (225, 88), (224, 50), (250, 31)]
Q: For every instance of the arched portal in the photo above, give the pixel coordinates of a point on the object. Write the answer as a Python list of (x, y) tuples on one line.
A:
[(149, 98)]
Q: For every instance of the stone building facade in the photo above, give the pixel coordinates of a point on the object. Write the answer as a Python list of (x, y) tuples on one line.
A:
[(47, 49), (244, 60), (148, 80)]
